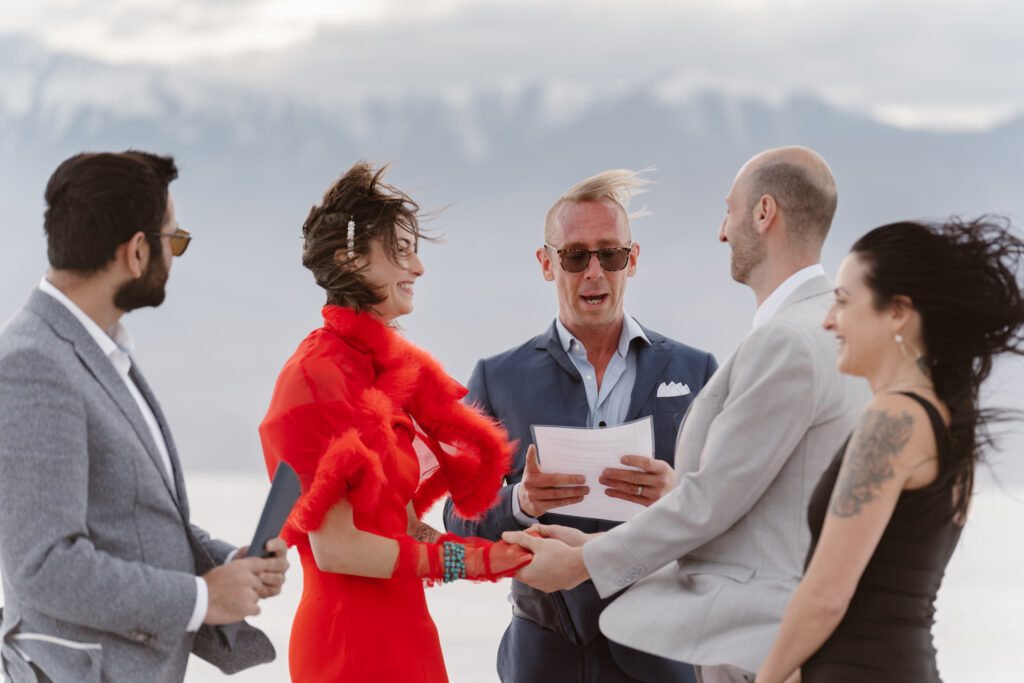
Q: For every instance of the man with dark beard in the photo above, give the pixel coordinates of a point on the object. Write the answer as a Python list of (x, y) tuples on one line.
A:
[(104, 576)]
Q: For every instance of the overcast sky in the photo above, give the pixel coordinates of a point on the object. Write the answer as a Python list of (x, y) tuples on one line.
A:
[(909, 62)]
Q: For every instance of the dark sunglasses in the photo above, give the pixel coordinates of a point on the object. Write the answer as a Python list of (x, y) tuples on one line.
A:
[(179, 240), (577, 260)]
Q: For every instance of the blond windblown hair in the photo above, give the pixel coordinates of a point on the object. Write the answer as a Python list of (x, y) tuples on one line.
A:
[(618, 185)]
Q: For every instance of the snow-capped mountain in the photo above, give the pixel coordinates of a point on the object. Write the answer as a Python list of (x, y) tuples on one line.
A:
[(255, 153)]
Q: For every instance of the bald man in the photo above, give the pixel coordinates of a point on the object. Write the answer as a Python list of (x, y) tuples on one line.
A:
[(712, 564)]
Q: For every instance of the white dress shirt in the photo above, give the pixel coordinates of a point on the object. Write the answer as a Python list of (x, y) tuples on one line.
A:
[(771, 305), (118, 347)]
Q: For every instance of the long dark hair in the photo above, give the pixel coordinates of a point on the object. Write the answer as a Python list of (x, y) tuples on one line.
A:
[(962, 277), (376, 208)]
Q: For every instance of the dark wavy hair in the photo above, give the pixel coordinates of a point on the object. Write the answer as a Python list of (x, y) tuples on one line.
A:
[(97, 201), (376, 208), (962, 278)]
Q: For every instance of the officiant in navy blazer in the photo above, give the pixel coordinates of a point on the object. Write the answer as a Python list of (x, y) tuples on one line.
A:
[(594, 367)]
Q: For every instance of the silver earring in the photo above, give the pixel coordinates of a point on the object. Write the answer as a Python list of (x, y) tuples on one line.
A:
[(914, 356)]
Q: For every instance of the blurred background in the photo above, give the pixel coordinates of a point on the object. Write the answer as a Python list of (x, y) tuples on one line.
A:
[(488, 111)]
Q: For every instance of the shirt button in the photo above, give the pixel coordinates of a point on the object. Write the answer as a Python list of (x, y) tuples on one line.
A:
[(589, 377)]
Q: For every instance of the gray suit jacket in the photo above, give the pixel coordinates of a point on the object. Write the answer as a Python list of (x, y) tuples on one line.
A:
[(98, 556), (716, 560)]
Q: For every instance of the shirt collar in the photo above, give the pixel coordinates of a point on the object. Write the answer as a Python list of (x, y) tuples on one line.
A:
[(630, 330), (771, 305), (121, 343)]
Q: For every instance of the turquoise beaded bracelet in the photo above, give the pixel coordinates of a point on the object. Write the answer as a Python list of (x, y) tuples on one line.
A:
[(454, 561)]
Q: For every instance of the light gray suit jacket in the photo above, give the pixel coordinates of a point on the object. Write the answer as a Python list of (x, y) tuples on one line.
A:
[(97, 555), (716, 560)]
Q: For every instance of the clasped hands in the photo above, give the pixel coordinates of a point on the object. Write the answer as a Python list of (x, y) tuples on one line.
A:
[(236, 588), (558, 550), (557, 562)]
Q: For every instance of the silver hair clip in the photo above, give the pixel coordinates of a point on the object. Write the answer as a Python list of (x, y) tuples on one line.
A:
[(351, 239)]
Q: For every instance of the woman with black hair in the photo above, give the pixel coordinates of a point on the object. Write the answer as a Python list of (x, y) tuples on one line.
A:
[(920, 311)]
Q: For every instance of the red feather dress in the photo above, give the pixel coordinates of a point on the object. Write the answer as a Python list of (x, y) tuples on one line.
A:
[(340, 416)]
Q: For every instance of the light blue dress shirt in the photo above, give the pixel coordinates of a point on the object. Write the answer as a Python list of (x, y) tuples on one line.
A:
[(609, 405)]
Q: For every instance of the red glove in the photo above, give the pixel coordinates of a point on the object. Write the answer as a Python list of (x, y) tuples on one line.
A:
[(482, 560)]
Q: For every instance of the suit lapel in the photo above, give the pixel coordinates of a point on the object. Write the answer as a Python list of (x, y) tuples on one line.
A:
[(101, 368), (553, 345), (172, 452), (201, 556), (650, 364), (572, 397)]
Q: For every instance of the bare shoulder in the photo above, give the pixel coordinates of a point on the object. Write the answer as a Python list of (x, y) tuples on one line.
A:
[(894, 404), (901, 423), (893, 439)]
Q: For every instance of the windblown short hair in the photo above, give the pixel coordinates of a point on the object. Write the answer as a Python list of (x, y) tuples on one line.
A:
[(808, 203), (97, 201), (616, 185), (376, 208)]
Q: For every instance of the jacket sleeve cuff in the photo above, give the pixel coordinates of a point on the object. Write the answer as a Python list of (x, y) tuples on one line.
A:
[(202, 604), (524, 519)]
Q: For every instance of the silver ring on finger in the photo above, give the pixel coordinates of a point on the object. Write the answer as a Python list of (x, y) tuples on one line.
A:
[(639, 490)]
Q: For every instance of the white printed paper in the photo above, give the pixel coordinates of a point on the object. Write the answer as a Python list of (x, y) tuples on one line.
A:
[(577, 450)]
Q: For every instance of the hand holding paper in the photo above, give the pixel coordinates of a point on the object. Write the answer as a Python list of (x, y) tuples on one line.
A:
[(591, 452), (650, 480), (539, 492)]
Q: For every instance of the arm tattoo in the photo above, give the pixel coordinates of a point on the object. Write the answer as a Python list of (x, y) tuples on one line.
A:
[(868, 463), (425, 533)]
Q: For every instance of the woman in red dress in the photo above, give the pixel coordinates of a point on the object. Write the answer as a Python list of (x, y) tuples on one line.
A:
[(347, 408)]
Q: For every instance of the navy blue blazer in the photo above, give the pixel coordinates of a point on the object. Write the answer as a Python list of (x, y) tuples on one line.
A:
[(536, 383)]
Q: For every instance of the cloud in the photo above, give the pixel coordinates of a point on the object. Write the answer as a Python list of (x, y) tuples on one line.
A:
[(906, 61), (170, 31)]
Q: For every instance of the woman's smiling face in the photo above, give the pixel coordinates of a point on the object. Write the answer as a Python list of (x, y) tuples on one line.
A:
[(863, 332), (394, 279)]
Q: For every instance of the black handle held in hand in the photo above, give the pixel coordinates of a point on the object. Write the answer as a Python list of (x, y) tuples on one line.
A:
[(284, 491)]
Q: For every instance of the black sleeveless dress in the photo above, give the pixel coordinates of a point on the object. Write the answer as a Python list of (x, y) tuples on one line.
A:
[(885, 636)]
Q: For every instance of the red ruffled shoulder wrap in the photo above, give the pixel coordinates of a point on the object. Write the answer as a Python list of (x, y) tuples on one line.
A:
[(331, 414)]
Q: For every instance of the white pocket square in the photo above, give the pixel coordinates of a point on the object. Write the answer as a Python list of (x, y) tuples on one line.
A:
[(666, 389)]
